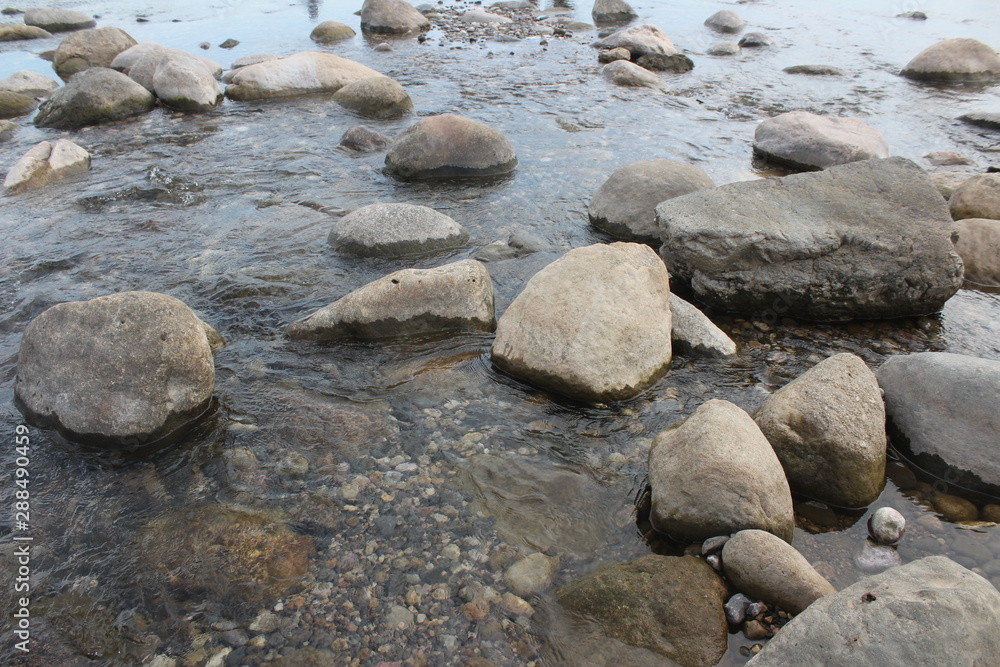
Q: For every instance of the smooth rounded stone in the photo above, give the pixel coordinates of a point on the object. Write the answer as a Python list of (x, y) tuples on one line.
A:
[(531, 575), (612, 11), (298, 74), (948, 181), (656, 62), (991, 513), (612, 55), (394, 230), (57, 20), (13, 105), (987, 119), (127, 59), (400, 618), (978, 197), (454, 296), (186, 86), (928, 612), (815, 70), (639, 40), (979, 247), (625, 204), (47, 162), (942, 413), (363, 139), (715, 474), (90, 48), (955, 60), (383, 47), (948, 159), (97, 95), (449, 145), (375, 97), (483, 16), (886, 525), (28, 83), (827, 427), (869, 239), (755, 39), (145, 68), (391, 17), (121, 369), (767, 568), (10, 32), (806, 141), (954, 508), (736, 610), (625, 73), (593, 325), (693, 334), (725, 20), (872, 557), (670, 605), (723, 49), (7, 129), (329, 32)]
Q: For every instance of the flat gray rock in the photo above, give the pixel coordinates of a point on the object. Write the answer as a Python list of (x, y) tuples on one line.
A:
[(57, 20), (955, 60), (298, 74), (394, 230), (815, 70), (808, 141), (97, 95), (693, 334)]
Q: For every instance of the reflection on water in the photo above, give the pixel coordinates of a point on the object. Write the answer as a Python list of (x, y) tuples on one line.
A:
[(402, 477)]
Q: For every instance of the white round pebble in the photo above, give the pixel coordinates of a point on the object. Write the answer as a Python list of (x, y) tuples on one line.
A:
[(886, 525)]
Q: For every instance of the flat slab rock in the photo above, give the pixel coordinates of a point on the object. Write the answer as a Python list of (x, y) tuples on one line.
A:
[(808, 141), (394, 230), (298, 74)]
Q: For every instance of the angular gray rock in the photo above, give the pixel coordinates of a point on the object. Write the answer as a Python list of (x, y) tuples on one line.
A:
[(97, 95), (10, 32), (594, 325), (725, 20), (639, 40), (28, 83), (625, 204), (57, 20), (715, 474), (612, 11), (117, 370), (827, 427), (392, 17), (46, 162), (978, 197), (955, 60), (298, 74), (870, 239), (394, 230), (375, 97), (454, 296), (979, 247), (807, 141), (449, 145), (767, 568), (330, 32), (928, 612), (89, 48), (625, 73), (942, 411), (693, 334)]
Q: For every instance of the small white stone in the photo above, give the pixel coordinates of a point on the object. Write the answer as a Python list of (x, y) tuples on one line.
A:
[(886, 525)]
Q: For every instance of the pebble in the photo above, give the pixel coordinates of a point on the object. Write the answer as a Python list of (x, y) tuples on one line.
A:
[(265, 623), (954, 508), (400, 618), (755, 630), (516, 605), (886, 525), (736, 609)]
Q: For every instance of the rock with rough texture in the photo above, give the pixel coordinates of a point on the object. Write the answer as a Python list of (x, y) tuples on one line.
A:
[(815, 70), (807, 141), (928, 612), (363, 139), (28, 83), (767, 568), (392, 17), (394, 230), (639, 40), (715, 474), (942, 411), (117, 370), (725, 20), (298, 74), (693, 334), (57, 20), (45, 163), (868, 239), (97, 95), (89, 48), (955, 60), (978, 197), (10, 32), (186, 85), (625, 73), (612, 11), (13, 105), (670, 605), (656, 62), (532, 574), (979, 247), (454, 296), (827, 427), (449, 145), (625, 205), (375, 97), (329, 32), (594, 325)]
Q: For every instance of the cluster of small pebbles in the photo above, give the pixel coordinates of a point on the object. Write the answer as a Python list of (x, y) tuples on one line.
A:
[(501, 22)]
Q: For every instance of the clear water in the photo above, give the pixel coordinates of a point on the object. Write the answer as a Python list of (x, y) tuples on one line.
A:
[(364, 449)]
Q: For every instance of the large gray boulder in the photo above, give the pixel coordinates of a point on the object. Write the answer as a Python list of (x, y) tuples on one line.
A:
[(667, 604), (46, 162), (185, 84), (978, 197), (625, 204), (639, 40), (767, 568), (593, 325), (955, 60), (693, 334), (298, 74), (454, 296), (57, 20), (146, 63), (979, 246), (827, 427), (375, 97), (626, 73), (117, 370), (612, 11), (807, 141), (28, 83), (394, 230), (942, 410), (869, 239), (392, 17), (89, 48), (449, 145), (715, 474), (928, 612), (97, 95)]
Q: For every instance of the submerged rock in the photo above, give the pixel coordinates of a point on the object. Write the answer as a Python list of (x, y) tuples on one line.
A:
[(978, 197), (90, 48), (804, 140), (979, 246), (612, 11), (449, 145), (394, 230), (531, 575), (329, 32), (375, 97), (987, 119), (298, 74), (10, 32), (693, 334), (725, 20), (98, 95), (815, 70), (755, 39), (57, 20), (625, 73), (392, 17), (46, 163), (28, 83), (955, 60), (872, 557), (639, 40), (363, 139)]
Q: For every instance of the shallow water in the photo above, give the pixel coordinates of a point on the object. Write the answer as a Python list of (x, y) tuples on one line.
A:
[(364, 448)]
